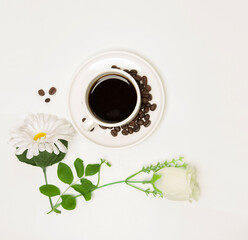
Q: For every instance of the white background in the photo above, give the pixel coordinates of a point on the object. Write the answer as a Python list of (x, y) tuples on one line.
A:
[(199, 49)]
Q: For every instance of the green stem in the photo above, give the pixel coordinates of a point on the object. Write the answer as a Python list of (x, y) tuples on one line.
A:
[(140, 189), (45, 176), (98, 180), (133, 175)]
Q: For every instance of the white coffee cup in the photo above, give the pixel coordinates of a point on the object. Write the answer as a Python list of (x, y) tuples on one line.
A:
[(91, 119)]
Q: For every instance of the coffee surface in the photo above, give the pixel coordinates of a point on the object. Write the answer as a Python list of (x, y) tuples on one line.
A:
[(112, 98)]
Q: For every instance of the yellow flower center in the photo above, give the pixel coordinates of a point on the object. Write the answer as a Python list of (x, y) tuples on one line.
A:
[(39, 135)]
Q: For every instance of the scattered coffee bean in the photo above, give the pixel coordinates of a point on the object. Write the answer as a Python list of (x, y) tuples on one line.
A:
[(132, 124), (124, 126), (124, 132), (52, 90), (145, 95), (145, 92), (147, 117), (136, 118), (153, 106), (150, 97), (133, 72), (41, 92), (148, 88), (142, 86), (127, 71), (147, 123), (114, 66), (130, 130), (118, 129), (92, 129), (144, 100), (83, 119), (140, 122), (114, 133), (47, 100), (148, 104), (146, 109), (136, 128), (142, 115), (144, 80), (137, 77)]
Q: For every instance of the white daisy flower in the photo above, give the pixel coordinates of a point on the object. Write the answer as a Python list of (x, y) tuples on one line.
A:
[(41, 132)]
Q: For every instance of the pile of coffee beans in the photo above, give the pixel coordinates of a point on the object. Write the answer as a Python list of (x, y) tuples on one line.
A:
[(143, 117), (51, 91)]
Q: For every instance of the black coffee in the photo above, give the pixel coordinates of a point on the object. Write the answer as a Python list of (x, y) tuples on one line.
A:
[(112, 98)]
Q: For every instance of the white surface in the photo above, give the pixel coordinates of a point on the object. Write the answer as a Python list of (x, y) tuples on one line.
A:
[(82, 80), (200, 50)]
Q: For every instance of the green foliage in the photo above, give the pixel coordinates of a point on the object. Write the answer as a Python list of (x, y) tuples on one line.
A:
[(64, 173), (79, 166), (92, 169), (68, 202), (174, 163), (155, 177), (87, 185), (49, 190), (44, 159)]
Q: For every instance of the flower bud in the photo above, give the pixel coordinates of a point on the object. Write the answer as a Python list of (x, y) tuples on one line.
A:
[(177, 184)]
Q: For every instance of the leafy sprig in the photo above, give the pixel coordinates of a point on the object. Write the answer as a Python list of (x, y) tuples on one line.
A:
[(83, 186)]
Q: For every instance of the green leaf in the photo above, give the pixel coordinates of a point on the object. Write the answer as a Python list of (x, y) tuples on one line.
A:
[(44, 159), (79, 166), (92, 169), (155, 177), (87, 185), (87, 196), (49, 190), (68, 202), (64, 173)]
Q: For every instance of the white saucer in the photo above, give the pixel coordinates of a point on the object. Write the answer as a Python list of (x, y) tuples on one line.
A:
[(103, 62)]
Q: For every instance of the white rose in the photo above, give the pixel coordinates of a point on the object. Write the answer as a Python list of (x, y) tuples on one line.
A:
[(177, 184)]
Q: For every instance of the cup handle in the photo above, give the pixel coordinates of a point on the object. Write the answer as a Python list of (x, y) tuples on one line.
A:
[(88, 124)]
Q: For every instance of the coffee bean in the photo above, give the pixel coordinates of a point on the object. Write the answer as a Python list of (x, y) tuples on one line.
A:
[(83, 119), (148, 88), (142, 86), (147, 123), (137, 77), (127, 71), (133, 72), (132, 124), (142, 106), (140, 122), (144, 100), (114, 133), (148, 104), (136, 118), (52, 90), (130, 130), (41, 92), (92, 129), (142, 115), (145, 95), (150, 97), (146, 109), (153, 106), (47, 100), (145, 92), (124, 126), (118, 129), (124, 132), (136, 128), (147, 117), (144, 80), (114, 66)]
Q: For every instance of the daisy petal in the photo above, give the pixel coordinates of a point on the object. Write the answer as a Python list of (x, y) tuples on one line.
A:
[(30, 153), (48, 147), (41, 147), (61, 146)]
